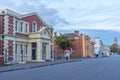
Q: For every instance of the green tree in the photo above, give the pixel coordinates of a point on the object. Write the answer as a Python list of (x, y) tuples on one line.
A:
[(114, 48), (63, 42), (118, 50)]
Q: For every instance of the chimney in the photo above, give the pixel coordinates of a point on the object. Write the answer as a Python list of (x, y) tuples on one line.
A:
[(55, 34), (76, 33)]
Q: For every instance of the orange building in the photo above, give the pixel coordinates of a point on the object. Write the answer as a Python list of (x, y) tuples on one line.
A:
[(57, 50), (81, 45)]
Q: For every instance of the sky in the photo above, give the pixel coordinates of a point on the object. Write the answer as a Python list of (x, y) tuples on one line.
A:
[(95, 18)]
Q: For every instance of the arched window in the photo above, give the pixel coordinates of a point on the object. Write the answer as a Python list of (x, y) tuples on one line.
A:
[(34, 27)]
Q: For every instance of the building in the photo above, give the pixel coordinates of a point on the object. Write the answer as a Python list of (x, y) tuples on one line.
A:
[(92, 49), (80, 45), (98, 47), (57, 50), (107, 51), (115, 42), (24, 37)]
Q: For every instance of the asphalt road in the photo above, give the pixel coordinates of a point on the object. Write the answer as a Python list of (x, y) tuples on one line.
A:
[(92, 69)]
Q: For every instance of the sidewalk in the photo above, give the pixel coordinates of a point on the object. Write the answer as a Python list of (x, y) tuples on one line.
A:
[(33, 65)]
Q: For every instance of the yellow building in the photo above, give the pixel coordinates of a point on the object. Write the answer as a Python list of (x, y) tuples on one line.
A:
[(86, 43), (81, 45)]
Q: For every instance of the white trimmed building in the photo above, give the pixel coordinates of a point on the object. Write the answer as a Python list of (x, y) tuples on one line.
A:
[(24, 37), (98, 47)]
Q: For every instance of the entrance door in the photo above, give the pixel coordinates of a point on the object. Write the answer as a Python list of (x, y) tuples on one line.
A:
[(34, 51)]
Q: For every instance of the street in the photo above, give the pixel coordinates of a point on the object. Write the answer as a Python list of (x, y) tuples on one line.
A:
[(107, 68)]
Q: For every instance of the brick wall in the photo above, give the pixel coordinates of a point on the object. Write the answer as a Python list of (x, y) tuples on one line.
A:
[(77, 47), (10, 47), (1, 24), (1, 60), (0, 47), (57, 50), (1, 55), (21, 34), (10, 25), (31, 19), (10, 50)]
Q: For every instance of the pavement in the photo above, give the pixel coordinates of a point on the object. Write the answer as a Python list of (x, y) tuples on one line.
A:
[(29, 65), (15, 67)]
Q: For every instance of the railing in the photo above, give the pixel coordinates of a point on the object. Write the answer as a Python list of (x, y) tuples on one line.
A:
[(15, 58)]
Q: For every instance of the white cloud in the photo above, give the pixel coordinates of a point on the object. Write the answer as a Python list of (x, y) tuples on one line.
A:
[(50, 15), (102, 27), (91, 16), (84, 14)]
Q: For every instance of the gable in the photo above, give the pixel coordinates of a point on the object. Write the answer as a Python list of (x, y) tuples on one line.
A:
[(44, 32), (34, 18)]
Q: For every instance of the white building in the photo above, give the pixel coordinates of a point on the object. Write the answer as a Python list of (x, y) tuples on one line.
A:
[(107, 50), (98, 47), (24, 37)]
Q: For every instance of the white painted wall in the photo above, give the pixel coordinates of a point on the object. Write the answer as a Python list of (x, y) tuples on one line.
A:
[(98, 46)]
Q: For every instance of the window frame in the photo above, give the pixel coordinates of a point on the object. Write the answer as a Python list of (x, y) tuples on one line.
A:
[(21, 26), (34, 26)]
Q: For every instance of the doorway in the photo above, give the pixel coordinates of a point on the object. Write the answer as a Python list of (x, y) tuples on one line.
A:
[(34, 47)]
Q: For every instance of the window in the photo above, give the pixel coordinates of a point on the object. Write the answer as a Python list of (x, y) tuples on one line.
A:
[(26, 28), (21, 47), (21, 27), (34, 27), (26, 48), (15, 48), (21, 53), (16, 25)]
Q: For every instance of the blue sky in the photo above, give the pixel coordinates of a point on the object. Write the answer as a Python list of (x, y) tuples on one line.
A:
[(96, 18)]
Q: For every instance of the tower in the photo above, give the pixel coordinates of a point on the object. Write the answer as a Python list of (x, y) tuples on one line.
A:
[(76, 33), (115, 42)]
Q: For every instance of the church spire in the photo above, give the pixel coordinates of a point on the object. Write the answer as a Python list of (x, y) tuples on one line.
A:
[(115, 42)]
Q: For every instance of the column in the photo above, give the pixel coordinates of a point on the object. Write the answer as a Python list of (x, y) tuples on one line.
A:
[(29, 55), (38, 50)]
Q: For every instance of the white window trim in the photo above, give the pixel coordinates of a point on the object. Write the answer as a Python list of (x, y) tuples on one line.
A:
[(27, 28), (18, 25), (35, 26), (24, 27)]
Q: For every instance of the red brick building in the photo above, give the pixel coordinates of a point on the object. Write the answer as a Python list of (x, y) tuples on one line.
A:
[(1, 45), (81, 45), (24, 37)]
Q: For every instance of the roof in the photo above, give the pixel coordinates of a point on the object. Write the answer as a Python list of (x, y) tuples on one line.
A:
[(20, 16), (71, 35)]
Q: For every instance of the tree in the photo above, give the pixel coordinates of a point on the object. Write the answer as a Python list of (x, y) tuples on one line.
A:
[(114, 48), (63, 42), (118, 50)]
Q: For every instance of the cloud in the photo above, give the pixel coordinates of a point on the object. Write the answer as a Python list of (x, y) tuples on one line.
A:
[(79, 14), (50, 15), (101, 27), (89, 14)]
